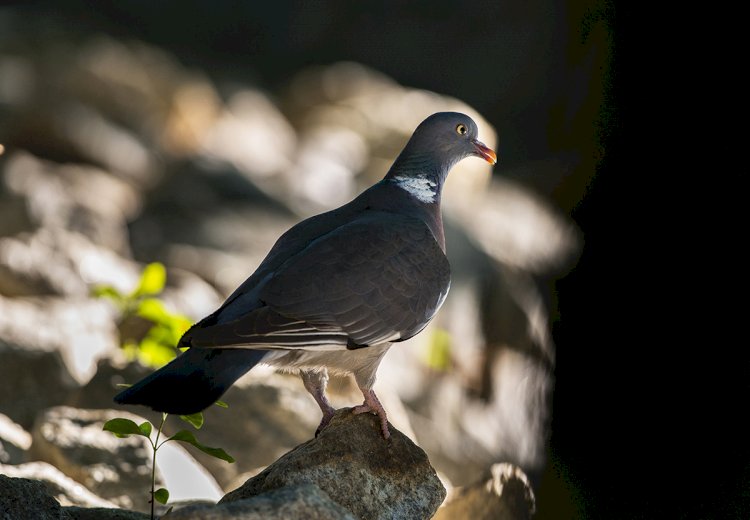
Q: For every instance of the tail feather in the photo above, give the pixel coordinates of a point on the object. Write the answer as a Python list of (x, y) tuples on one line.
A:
[(193, 381)]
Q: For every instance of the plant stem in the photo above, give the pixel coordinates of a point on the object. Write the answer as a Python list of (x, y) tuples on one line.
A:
[(155, 445)]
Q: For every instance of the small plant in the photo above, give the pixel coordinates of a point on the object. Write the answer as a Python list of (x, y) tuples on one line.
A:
[(125, 427), (149, 332)]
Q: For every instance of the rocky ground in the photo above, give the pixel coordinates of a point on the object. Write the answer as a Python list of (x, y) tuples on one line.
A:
[(113, 155)]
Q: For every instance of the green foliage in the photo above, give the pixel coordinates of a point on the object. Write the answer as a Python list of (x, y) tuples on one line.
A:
[(195, 420), (121, 428), (438, 354), (157, 346), (161, 495), (189, 438)]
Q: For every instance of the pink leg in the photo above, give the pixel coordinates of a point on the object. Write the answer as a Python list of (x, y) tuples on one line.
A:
[(315, 383), (372, 404)]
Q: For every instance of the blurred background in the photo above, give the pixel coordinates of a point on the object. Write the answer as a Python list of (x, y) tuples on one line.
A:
[(193, 134)]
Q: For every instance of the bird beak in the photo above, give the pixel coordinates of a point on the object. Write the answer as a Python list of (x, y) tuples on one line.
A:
[(486, 153)]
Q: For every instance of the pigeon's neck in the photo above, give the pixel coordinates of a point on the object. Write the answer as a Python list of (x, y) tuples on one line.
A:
[(420, 176)]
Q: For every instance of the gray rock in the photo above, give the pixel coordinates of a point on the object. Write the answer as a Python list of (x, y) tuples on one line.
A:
[(103, 513), (504, 495), (118, 470), (77, 330), (298, 501), (61, 487), (78, 198), (60, 262), (268, 415), (31, 379), (369, 476), (24, 499), (14, 441)]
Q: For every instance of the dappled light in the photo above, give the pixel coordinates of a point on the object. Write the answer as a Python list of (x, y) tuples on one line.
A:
[(114, 154)]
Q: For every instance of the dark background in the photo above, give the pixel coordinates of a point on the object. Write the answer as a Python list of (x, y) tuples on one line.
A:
[(648, 408)]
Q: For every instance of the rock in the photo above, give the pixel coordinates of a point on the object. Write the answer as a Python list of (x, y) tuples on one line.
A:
[(299, 501), (268, 415), (77, 330), (62, 488), (60, 262), (24, 499), (103, 513), (31, 379), (505, 495), (367, 475), (78, 198), (116, 469), (14, 441)]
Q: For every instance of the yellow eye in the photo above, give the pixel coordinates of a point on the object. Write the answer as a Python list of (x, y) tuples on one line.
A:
[(461, 129)]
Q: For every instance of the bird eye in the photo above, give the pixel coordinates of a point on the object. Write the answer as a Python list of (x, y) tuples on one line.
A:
[(461, 129)]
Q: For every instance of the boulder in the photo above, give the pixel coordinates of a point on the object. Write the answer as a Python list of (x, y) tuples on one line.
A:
[(299, 501), (103, 513), (31, 379), (14, 441), (367, 475), (62, 488), (24, 499), (504, 495), (118, 470), (75, 197), (77, 331)]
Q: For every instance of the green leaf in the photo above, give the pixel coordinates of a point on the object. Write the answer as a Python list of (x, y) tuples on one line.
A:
[(161, 495), (153, 279), (145, 428), (107, 291), (195, 419), (186, 436), (154, 354), (222, 404), (153, 309), (438, 354), (122, 427)]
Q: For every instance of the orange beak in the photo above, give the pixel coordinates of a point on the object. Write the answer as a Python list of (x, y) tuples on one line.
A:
[(486, 153)]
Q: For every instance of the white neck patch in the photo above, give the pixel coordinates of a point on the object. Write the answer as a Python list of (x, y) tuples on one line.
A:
[(420, 187)]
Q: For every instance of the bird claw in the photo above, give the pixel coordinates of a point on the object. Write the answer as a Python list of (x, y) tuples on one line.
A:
[(372, 405), (324, 422)]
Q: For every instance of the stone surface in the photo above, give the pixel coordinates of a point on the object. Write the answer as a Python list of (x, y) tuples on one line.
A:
[(72, 440), (14, 441), (74, 197), (24, 499), (79, 330), (298, 501), (103, 513), (369, 476), (30, 380), (62, 488), (268, 415), (505, 495), (119, 469)]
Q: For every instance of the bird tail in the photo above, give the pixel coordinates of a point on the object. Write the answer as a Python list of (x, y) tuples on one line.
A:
[(193, 381)]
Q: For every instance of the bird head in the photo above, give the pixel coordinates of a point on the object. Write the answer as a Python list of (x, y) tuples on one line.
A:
[(438, 143)]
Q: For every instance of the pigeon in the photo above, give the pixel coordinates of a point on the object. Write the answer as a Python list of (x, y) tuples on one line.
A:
[(335, 291)]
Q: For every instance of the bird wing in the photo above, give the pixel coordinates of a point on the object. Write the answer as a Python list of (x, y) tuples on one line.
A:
[(378, 278)]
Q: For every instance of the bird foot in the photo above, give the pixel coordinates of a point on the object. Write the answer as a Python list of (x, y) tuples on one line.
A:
[(372, 405), (327, 416)]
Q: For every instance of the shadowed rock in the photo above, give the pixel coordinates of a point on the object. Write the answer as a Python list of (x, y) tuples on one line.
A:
[(350, 461), (504, 495), (301, 501)]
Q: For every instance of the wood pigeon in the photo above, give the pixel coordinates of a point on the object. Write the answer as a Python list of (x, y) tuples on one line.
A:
[(335, 291)]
